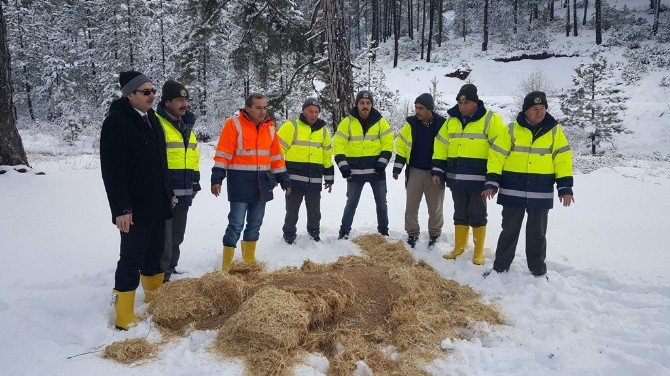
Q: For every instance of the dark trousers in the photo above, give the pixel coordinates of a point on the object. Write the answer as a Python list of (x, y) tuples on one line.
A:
[(141, 250), (469, 207), (175, 229), (536, 241), (313, 205)]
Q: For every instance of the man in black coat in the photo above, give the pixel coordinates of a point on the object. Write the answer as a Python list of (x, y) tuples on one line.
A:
[(133, 164)]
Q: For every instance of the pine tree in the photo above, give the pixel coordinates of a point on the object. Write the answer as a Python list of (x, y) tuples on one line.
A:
[(593, 106)]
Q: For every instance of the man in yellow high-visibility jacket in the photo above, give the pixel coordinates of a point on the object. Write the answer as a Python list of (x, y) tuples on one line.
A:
[(363, 145), (307, 146), (183, 161), (460, 156), (524, 164)]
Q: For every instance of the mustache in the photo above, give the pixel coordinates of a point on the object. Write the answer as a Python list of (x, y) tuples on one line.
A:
[(183, 108)]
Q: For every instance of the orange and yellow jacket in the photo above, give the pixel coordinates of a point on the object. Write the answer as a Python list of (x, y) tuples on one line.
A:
[(251, 158)]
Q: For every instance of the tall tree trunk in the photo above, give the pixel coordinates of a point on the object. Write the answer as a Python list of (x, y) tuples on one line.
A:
[(440, 22), (654, 27), (599, 17), (551, 9), (423, 28), (11, 146), (130, 36), (396, 30), (375, 22), (516, 12), (485, 43), (410, 19), (574, 17), (357, 4), (586, 7), (430, 29), (339, 60), (162, 39), (567, 19), (26, 82), (463, 19)]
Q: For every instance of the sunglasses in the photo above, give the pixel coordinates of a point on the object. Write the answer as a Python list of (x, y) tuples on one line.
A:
[(146, 92)]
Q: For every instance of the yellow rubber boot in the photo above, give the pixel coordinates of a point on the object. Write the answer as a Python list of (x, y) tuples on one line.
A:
[(460, 242), (150, 284), (228, 253), (478, 235), (124, 305), (249, 252)]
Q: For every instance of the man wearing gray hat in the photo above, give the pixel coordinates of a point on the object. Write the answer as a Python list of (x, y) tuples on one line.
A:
[(306, 144), (133, 164), (414, 147)]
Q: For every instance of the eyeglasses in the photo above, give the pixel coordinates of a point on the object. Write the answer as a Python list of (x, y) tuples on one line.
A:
[(146, 92)]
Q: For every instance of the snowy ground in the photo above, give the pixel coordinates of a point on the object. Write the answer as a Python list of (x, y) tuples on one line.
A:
[(604, 310)]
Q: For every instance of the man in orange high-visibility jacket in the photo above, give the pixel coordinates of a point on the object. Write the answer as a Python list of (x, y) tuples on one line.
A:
[(249, 154)]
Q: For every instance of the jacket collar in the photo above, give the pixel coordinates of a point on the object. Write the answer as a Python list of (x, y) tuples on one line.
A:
[(374, 117), (479, 112), (538, 130), (245, 116), (188, 118), (320, 123)]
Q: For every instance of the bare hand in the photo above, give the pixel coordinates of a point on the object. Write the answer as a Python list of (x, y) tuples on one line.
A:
[(327, 186), (395, 175), (193, 194), (350, 177), (489, 193), (437, 180), (123, 222), (287, 192), (566, 200), (216, 189), (174, 201)]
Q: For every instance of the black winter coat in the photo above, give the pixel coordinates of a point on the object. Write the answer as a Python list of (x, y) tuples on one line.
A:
[(134, 164)]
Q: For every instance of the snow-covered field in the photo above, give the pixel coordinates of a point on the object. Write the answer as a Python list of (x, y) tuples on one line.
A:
[(604, 310)]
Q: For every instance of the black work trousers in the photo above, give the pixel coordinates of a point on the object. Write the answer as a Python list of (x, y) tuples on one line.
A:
[(141, 250), (313, 204), (469, 207), (536, 241), (175, 229)]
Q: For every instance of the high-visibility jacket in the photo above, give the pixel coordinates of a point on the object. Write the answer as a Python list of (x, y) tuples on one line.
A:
[(363, 153), (250, 157), (405, 140), (308, 152), (183, 157), (525, 162), (461, 150)]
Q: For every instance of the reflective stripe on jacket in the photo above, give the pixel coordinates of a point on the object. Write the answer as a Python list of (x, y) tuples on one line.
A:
[(309, 153), (460, 152), (359, 153), (183, 162), (525, 164), (250, 157)]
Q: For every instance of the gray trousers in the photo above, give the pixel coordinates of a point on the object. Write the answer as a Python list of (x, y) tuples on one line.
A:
[(536, 241), (420, 184), (174, 236), (469, 207), (313, 204)]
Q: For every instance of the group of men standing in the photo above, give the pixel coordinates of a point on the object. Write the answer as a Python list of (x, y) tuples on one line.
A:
[(150, 167)]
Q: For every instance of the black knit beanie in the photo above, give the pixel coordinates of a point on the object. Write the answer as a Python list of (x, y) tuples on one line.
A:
[(364, 94), (311, 102), (426, 100), (130, 81), (173, 89), (533, 98), (468, 92)]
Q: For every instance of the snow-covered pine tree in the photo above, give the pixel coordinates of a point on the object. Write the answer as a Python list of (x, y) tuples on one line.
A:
[(593, 105)]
